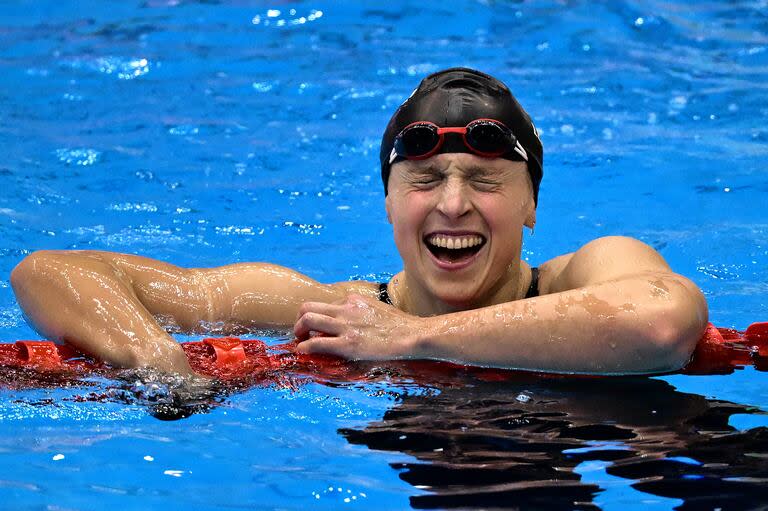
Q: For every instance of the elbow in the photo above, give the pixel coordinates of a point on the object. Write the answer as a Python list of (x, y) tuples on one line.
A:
[(672, 345), (38, 267), (22, 272), (42, 277), (675, 332), (30, 269), (32, 281)]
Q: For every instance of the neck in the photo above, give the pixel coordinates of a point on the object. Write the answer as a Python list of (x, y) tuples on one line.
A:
[(409, 295)]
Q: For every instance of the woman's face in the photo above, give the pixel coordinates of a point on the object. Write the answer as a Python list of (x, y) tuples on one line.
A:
[(457, 221)]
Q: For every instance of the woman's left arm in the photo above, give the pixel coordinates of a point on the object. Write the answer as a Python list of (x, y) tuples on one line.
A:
[(615, 308)]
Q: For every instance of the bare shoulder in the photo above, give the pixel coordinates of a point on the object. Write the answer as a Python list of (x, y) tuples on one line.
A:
[(600, 260)]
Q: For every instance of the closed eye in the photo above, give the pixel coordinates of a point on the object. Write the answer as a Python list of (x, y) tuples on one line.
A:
[(485, 183), (425, 178)]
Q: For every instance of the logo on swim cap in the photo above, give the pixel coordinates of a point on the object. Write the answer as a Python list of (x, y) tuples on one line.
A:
[(392, 156), (535, 130)]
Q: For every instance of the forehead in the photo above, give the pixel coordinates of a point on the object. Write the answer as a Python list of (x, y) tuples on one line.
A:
[(461, 162)]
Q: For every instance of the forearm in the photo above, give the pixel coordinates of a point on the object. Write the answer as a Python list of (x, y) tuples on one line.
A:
[(85, 302), (642, 324)]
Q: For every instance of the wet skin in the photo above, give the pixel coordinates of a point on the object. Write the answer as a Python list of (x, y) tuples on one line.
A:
[(597, 299), (613, 306)]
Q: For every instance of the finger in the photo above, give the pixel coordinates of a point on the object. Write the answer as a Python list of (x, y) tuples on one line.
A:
[(326, 346), (315, 322), (327, 309)]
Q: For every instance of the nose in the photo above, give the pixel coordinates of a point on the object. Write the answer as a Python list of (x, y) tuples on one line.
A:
[(454, 201)]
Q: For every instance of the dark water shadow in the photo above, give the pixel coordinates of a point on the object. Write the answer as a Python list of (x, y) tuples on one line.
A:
[(493, 445), (490, 439)]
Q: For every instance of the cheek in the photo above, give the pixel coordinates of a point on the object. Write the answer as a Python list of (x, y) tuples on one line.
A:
[(502, 213), (406, 241), (407, 215), (408, 211), (505, 220)]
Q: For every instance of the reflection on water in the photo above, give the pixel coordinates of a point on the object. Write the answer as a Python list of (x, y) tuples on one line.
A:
[(489, 445), (526, 441)]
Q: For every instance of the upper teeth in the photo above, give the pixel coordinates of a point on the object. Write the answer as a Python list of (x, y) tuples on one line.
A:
[(443, 241)]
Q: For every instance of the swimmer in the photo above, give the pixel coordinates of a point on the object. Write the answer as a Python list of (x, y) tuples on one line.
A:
[(461, 165)]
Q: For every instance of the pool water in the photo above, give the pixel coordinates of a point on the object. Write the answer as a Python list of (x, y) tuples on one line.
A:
[(205, 133)]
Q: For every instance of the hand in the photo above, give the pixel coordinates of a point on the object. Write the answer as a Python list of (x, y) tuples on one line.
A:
[(169, 396), (358, 328), (166, 356)]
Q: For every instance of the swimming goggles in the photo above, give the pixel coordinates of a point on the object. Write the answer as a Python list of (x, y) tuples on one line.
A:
[(485, 137)]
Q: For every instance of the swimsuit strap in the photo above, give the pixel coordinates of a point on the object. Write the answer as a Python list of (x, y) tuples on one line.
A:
[(384, 294), (533, 289)]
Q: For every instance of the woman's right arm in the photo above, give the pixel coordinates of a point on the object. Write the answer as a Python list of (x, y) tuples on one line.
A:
[(108, 304)]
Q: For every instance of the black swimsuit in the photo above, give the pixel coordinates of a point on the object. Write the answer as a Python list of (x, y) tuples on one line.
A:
[(383, 294), (533, 289)]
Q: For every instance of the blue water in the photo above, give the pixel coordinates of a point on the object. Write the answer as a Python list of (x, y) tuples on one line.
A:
[(207, 133)]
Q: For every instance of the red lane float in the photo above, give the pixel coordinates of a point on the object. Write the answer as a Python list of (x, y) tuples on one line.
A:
[(227, 356), (720, 351)]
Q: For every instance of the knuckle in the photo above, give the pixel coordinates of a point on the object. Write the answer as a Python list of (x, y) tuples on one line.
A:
[(301, 324)]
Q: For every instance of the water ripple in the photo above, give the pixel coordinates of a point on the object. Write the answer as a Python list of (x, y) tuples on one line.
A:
[(124, 68), (289, 18), (81, 156)]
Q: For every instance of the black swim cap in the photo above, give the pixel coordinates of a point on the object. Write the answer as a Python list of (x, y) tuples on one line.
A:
[(456, 96)]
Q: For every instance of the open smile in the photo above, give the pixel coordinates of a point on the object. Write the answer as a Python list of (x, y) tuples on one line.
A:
[(454, 251)]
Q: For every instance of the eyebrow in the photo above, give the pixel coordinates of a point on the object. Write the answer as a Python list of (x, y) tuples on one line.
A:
[(475, 170), (426, 168)]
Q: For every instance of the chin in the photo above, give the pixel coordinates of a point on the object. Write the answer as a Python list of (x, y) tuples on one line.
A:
[(455, 299)]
